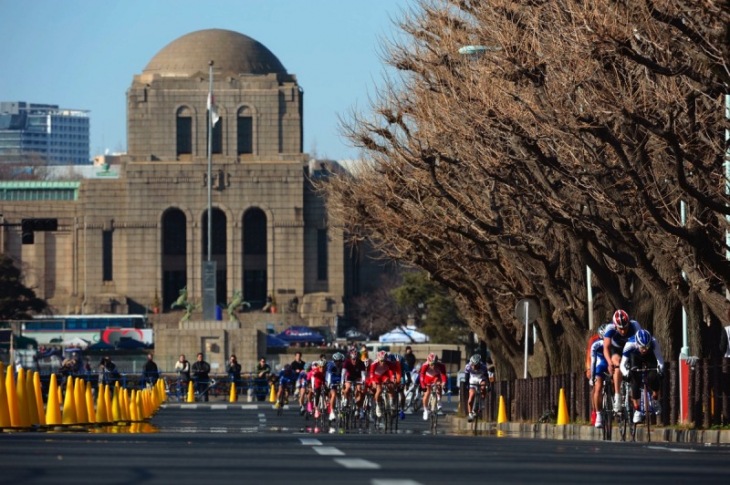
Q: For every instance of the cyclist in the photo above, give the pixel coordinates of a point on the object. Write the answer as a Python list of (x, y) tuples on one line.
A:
[(637, 354), (333, 378), (432, 372), (315, 377), (398, 364), (353, 373), (477, 374), (380, 372), (598, 368), (302, 384), (614, 339), (287, 377)]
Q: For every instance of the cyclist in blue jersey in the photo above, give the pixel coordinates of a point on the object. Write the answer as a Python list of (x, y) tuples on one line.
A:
[(642, 350), (287, 378), (617, 333), (599, 366), (333, 378), (477, 374)]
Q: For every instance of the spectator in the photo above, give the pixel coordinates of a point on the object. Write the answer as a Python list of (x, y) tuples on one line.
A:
[(200, 371), (150, 373), (70, 366), (263, 372), (182, 367), (410, 360), (233, 369), (297, 364), (108, 371)]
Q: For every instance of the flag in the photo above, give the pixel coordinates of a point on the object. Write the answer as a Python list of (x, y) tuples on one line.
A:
[(213, 110)]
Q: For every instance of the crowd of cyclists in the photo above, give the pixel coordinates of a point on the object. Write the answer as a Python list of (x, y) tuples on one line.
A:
[(622, 350), (351, 380)]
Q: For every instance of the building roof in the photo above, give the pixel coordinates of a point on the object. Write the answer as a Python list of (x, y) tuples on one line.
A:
[(231, 52)]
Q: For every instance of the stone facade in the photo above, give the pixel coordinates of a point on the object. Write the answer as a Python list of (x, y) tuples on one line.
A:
[(126, 242)]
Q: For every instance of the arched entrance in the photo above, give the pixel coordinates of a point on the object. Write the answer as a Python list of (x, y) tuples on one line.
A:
[(218, 252), (254, 257), (174, 256)]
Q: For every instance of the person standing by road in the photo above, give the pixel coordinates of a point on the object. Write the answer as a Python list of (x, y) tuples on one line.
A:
[(263, 372), (182, 367), (150, 373), (297, 364), (201, 376)]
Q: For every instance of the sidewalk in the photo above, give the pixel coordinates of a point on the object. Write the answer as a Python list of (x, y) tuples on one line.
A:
[(585, 432)]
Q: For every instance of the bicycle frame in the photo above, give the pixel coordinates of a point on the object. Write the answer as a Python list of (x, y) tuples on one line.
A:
[(645, 401)]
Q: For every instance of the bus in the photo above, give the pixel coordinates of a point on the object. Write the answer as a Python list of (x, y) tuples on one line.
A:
[(67, 329)]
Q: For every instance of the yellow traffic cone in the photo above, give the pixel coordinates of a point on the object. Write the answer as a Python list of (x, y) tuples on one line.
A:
[(22, 390), (232, 395), (191, 392), (502, 413), (272, 394), (68, 415), (80, 401), (39, 398), (563, 417), (133, 416), (12, 394), (31, 404), (116, 412), (4, 409), (90, 413), (108, 403), (53, 408)]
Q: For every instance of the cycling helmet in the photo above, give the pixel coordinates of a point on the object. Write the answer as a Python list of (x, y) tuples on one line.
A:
[(643, 338), (602, 330), (475, 359), (315, 363), (307, 366), (621, 319), (382, 355), (323, 363), (431, 358), (338, 357)]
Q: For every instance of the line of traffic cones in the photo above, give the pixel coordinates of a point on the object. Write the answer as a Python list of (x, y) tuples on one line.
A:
[(22, 406)]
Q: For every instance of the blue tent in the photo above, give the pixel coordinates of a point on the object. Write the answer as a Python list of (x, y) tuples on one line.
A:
[(273, 342), (302, 335)]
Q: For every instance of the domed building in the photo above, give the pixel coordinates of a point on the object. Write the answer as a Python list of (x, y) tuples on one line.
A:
[(131, 243)]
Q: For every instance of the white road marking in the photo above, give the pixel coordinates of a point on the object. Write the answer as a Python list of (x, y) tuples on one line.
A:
[(219, 430), (219, 406), (675, 450), (393, 481), (310, 442), (327, 450), (357, 463)]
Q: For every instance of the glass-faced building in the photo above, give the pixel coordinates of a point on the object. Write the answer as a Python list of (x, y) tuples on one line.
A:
[(43, 134)]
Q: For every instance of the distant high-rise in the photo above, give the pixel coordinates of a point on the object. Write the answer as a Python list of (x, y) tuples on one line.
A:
[(31, 132)]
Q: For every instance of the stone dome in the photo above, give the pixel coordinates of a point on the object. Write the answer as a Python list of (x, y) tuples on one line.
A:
[(231, 52)]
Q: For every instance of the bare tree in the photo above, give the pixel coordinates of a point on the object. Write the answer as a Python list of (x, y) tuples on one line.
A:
[(572, 134)]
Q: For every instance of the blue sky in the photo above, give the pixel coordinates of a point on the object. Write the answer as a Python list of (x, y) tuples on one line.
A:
[(82, 54)]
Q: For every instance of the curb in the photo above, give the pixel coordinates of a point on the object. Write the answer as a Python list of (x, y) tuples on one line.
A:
[(589, 433)]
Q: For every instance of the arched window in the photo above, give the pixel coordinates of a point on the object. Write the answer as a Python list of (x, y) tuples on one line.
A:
[(184, 132)]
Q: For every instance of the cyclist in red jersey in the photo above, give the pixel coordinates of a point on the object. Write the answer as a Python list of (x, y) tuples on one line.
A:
[(432, 372), (380, 372), (316, 379), (353, 372)]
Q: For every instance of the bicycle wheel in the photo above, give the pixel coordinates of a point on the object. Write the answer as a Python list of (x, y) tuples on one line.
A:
[(433, 411), (646, 404), (607, 414)]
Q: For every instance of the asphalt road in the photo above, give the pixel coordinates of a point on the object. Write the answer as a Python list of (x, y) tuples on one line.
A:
[(249, 443)]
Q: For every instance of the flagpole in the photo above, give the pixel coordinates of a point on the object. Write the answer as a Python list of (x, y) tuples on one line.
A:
[(210, 160)]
